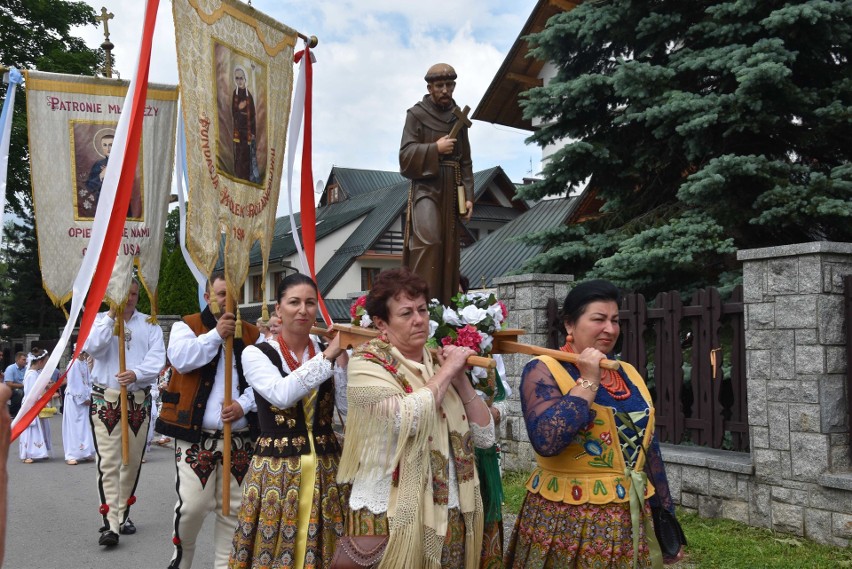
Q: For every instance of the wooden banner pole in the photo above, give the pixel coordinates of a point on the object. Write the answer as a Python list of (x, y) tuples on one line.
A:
[(122, 367), (226, 439)]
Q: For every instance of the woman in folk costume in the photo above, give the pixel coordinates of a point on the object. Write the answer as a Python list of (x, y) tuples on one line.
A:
[(76, 428), (410, 436), (600, 471), (35, 440), (293, 509)]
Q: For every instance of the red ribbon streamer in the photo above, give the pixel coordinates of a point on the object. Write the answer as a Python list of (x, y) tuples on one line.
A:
[(306, 198), (118, 215)]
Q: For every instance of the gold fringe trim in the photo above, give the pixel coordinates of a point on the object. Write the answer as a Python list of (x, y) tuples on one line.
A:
[(155, 309)]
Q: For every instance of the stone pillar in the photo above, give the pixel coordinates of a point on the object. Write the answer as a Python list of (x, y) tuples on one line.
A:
[(796, 367), (526, 298)]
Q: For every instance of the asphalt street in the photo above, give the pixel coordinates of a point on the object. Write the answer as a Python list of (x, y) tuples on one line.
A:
[(53, 515)]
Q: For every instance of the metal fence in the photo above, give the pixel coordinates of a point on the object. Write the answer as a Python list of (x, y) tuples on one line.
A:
[(693, 357)]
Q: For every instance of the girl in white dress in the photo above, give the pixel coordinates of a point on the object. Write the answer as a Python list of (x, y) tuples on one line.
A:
[(34, 442), (76, 428)]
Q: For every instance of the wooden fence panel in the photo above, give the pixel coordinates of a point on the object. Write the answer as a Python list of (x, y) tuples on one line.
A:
[(710, 406)]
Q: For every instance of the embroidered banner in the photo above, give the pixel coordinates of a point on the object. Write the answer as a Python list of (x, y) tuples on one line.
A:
[(236, 69), (72, 124)]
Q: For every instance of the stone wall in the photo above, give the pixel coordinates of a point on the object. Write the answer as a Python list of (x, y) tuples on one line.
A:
[(797, 477)]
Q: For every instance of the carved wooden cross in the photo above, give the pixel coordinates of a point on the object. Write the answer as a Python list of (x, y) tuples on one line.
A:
[(105, 17), (463, 121)]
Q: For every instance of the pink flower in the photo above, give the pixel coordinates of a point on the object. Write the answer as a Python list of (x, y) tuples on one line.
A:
[(469, 337), (446, 341)]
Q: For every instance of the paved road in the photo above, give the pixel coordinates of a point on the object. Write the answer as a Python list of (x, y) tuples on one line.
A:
[(54, 520)]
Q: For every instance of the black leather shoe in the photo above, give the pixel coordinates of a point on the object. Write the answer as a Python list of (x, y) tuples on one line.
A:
[(108, 538), (127, 528)]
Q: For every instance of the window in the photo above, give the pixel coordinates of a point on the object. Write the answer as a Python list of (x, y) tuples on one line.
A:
[(277, 277), (368, 276), (256, 282)]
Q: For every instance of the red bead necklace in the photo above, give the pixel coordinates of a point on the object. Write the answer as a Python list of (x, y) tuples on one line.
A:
[(292, 362), (611, 380)]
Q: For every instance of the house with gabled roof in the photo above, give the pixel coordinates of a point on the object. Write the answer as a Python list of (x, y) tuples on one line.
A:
[(359, 232)]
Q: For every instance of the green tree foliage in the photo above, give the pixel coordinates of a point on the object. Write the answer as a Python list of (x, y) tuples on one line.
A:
[(25, 307), (34, 34), (178, 289), (704, 127)]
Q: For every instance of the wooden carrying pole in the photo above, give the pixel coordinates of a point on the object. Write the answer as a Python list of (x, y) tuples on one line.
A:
[(122, 367), (506, 342), (351, 336), (226, 425)]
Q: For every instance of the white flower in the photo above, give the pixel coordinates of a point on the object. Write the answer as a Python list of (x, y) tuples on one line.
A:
[(478, 372), (473, 315), (433, 327), (451, 318), (495, 312), (485, 344), (366, 321)]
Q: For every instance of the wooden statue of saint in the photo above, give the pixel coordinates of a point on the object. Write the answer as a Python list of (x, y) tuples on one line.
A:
[(435, 155)]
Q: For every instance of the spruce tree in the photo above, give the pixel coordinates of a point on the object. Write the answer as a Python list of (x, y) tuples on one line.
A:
[(703, 127)]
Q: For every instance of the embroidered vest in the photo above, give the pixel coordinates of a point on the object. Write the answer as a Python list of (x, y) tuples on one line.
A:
[(185, 398), (284, 432), (592, 468)]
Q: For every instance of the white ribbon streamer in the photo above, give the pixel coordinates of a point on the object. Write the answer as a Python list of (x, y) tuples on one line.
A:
[(15, 79), (182, 180), (296, 117), (93, 252)]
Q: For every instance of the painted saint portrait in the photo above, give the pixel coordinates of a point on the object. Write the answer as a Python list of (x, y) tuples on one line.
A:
[(91, 146), (240, 83)]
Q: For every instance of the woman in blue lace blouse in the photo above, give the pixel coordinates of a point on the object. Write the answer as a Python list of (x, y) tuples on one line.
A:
[(599, 469)]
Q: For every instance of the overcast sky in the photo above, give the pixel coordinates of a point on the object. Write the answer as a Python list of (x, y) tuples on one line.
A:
[(371, 59)]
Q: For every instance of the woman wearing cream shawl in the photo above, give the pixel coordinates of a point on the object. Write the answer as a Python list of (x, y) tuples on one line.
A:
[(410, 436)]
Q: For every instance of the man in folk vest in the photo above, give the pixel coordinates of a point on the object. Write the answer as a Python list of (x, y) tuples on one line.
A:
[(144, 354), (193, 413)]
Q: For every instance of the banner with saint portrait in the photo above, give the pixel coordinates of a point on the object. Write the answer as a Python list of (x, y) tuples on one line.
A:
[(72, 121), (236, 71)]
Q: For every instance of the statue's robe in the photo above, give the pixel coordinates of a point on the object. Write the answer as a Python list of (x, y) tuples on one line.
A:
[(433, 226)]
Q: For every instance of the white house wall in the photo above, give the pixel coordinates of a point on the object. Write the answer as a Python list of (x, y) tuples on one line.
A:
[(350, 281), (325, 248)]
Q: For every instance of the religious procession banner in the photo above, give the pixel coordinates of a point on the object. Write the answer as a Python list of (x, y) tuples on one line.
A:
[(236, 76), (72, 121)]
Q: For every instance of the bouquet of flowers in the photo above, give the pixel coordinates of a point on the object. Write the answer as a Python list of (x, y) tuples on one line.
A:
[(358, 312), (471, 322)]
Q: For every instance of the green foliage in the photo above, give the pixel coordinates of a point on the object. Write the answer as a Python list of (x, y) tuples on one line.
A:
[(720, 542), (704, 127), (178, 289), (24, 306)]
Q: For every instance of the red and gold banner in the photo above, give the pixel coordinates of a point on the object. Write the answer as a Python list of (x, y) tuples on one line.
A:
[(236, 70), (72, 124)]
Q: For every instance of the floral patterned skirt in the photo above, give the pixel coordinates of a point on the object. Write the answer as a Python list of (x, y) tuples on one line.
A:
[(364, 522), (555, 535), (267, 525)]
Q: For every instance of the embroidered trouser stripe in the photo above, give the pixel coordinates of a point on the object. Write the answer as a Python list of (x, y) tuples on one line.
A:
[(117, 482), (197, 498)]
